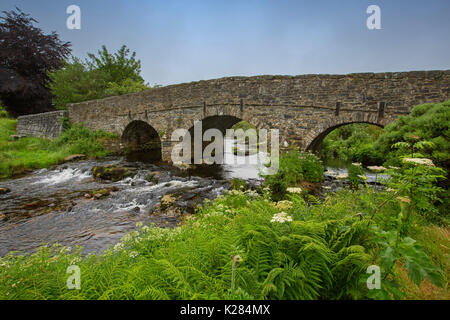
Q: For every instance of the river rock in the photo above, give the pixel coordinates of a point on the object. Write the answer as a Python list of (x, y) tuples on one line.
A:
[(153, 176), (4, 190), (74, 157), (112, 173), (167, 200)]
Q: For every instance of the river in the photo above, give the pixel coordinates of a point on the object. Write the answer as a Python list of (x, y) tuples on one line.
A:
[(50, 205)]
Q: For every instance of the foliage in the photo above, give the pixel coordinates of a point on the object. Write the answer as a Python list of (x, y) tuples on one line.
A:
[(294, 167), (417, 184), (125, 87), (318, 252), (352, 142), (395, 250), (238, 184), (3, 112), (100, 76), (76, 83), (118, 66), (26, 55), (302, 259), (427, 122), (312, 168), (355, 174), (16, 156)]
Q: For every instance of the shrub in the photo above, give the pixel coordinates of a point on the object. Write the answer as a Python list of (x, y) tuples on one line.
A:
[(354, 175), (312, 167), (294, 167), (428, 122)]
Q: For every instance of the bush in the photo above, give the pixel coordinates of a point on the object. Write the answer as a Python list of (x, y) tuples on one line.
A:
[(352, 142), (3, 112), (312, 167), (294, 167), (430, 122), (354, 175)]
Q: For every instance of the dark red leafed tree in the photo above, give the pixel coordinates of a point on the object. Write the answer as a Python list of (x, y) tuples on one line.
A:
[(26, 55)]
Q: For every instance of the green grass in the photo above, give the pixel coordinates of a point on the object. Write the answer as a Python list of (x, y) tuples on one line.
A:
[(16, 156), (322, 253)]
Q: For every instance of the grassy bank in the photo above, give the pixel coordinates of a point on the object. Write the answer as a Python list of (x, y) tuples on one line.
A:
[(17, 156), (240, 246)]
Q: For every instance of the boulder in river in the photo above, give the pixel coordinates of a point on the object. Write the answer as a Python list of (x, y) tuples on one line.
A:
[(153, 176), (167, 200), (112, 173), (4, 190)]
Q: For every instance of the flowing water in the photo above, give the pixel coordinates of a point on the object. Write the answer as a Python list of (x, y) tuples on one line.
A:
[(50, 206)]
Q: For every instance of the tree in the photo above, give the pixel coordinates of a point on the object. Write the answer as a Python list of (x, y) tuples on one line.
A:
[(26, 55), (100, 76), (75, 83), (117, 67)]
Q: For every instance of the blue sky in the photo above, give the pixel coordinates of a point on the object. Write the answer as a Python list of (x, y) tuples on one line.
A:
[(189, 40)]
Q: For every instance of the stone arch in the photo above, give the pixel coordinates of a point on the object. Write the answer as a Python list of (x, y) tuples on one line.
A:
[(139, 136), (315, 143), (220, 122)]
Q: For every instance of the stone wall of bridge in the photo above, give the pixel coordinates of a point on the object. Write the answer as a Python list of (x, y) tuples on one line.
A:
[(301, 107), (47, 125)]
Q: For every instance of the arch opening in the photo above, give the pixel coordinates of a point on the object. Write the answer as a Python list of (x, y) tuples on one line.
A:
[(220, 122), (142, 141), (347, 142)]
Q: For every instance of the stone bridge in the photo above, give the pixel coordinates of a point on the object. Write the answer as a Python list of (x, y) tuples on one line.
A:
[(304, 108)]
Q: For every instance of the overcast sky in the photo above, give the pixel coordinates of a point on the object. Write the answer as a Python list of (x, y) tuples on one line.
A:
[(189, 40)]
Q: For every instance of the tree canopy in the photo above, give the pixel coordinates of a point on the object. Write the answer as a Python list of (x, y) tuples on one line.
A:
[(26, 56), (101, 75)]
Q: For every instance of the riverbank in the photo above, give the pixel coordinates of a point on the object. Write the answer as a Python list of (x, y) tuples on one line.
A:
[(20, 156), (312, 252)]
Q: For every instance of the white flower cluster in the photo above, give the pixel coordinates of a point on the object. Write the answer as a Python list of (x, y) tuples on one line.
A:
[(423, 161), (252, 194), (342, 176), (133, 254), (294, 190), (376, 168), (283, 205), (281, 217)]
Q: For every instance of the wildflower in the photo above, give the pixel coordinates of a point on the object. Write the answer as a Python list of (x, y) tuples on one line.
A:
[(376, 168), (342, 176), (424, 161), (358, 164), (294, 190), (362, 177), (394, 168), (281, 217), (404, 199), (390, 190), (119, 246), (284, 205), (133, 254)]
